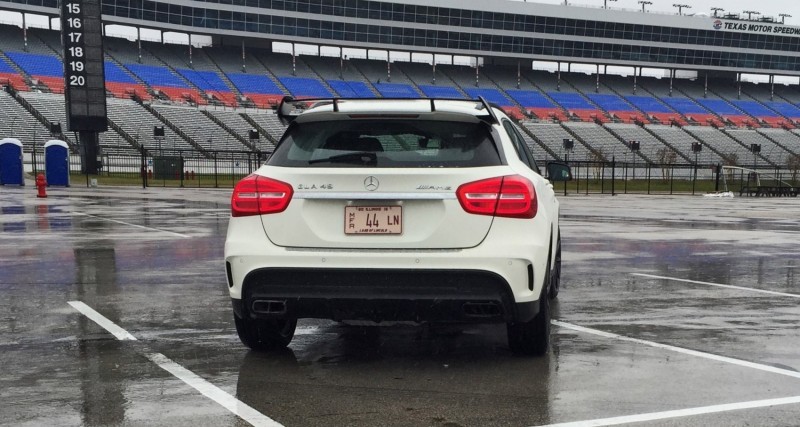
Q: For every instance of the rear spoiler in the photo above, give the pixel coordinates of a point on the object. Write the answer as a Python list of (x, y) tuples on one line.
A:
[(291, 108)]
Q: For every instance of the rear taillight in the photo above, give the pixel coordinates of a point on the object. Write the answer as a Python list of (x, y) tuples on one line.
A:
[(506, 196), (257, 195)]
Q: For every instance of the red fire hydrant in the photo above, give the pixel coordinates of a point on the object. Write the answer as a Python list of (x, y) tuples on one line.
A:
[(41, 186)]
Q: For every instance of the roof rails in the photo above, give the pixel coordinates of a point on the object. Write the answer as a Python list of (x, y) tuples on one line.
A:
[(287, 110)]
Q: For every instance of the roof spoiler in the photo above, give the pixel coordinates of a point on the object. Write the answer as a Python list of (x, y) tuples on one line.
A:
[(291, 108)]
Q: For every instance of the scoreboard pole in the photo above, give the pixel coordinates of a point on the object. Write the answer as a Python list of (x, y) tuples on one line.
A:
[(84, 77)]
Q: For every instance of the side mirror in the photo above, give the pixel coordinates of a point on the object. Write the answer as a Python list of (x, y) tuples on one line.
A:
[(557, 171)]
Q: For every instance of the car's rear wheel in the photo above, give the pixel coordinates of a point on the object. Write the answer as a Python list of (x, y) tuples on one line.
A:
[(265, 335), (555, 276), (532, 338)]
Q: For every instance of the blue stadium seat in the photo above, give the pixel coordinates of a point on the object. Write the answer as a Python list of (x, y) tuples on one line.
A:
[(205, 80), (116, 74), (38, 65), (492, 95), (685, 106), (5, 68), (720, 107), (441, 92), (610, 102), (351, 89), (306, 87), (156, 76), (571, 101), (648, 104), (531, 99), (754, 109), (785, 109), (254, 83), (396, 90)]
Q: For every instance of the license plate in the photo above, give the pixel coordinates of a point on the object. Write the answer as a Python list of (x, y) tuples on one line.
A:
[(373, 220)]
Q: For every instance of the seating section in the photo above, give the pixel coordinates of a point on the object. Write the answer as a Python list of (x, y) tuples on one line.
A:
[(761, 112), (351, 89), (305, 87), (9, 76), (121, 84), (258, 88), (727, 111), (553, 136), (210, 83), (769, 150), (396, 90), (17, 123), (578, 106), (47, 69), (534, 102), (269, 122), (659, 113), (617, 107), (163, 80), (656, 109), (200, 128), (785, 109), (137, 122), (682, 141), (441, 92)]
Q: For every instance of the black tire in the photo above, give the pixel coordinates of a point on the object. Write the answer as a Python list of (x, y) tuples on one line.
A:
[(555, 275), (532, 338), (265, 335)]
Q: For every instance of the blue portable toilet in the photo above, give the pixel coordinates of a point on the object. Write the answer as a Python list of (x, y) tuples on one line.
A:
[(56, 163), (11, 171)]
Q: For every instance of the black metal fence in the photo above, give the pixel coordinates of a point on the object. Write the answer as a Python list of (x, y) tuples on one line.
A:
[(222, 169), (165, 168)]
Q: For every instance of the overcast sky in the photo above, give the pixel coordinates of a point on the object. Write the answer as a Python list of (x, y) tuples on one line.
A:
[(766, 7)]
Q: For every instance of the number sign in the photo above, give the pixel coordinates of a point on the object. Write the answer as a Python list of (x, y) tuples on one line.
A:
[(84, 77)]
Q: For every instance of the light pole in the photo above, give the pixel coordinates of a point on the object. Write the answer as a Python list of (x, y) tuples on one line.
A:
[(717, 9), (680, 7), (644, 3), (750, 14), (605, 3), (784, 16)]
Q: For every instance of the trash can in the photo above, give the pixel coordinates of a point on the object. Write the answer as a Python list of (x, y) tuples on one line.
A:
[(56, 163), (11, 171)]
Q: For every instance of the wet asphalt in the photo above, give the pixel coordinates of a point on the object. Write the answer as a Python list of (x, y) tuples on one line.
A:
[(643, 333)]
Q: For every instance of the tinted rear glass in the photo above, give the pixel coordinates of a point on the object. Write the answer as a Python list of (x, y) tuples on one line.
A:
[(386, 144)]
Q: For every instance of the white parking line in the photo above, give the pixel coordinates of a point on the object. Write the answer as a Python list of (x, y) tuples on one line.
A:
[(132, 225), (101, 320), (730, 360), (236, 406), (653, 416), (741, 288)]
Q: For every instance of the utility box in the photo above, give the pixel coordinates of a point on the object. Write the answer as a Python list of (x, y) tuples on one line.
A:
[(168, 167), (56, 163), (11, 171)]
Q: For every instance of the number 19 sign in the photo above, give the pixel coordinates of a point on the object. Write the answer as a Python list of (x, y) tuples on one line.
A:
[(84, 77)]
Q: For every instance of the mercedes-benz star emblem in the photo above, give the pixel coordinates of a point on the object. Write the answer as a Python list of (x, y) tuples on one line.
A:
[(371, 183)]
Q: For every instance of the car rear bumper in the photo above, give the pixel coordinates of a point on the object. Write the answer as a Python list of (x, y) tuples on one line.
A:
[(381, 295)]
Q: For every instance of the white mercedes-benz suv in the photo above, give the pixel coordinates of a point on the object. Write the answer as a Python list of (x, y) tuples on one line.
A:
[(419, 210)]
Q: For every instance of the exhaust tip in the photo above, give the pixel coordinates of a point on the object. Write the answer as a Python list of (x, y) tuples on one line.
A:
[(273, 307), (481, 309)]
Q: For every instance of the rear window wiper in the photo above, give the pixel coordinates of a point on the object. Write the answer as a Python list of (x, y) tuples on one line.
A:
[(356, 157)]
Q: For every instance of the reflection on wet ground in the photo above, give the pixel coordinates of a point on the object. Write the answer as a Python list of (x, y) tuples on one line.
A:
[(641, 267)]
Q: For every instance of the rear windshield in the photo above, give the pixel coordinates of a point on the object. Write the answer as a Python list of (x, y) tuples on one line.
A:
[(386, 144)]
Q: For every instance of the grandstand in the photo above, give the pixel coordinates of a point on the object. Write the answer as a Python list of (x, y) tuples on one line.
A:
[(209, 98)]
